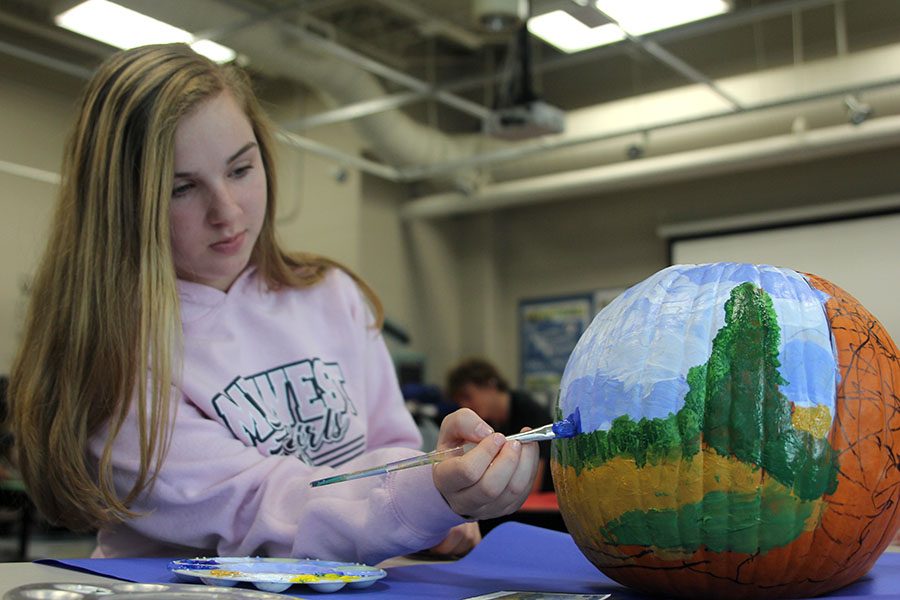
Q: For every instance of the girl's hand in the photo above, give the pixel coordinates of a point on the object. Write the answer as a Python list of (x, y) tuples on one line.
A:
[(492, 479), (459, 541)]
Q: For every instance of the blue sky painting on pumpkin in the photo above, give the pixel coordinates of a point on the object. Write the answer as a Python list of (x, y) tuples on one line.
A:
[(634, 357)]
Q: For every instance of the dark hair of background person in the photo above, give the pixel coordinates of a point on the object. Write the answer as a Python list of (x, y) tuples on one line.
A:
[(477, 371)]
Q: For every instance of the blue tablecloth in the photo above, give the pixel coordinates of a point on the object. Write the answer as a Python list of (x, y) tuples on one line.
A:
[(512, 556)]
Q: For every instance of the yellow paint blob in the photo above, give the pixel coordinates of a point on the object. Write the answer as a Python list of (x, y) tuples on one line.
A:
[(814, 419), (224, 573), (323, 577)]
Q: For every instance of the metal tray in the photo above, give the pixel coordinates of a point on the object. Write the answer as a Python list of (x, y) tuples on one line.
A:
[(133, 591)]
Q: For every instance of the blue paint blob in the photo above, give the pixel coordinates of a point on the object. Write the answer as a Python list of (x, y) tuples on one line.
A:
[(568, 427), (198, 564)]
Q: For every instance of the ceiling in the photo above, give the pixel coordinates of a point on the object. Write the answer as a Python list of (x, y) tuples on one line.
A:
[(439, 41), (443, 42), (438, 75)]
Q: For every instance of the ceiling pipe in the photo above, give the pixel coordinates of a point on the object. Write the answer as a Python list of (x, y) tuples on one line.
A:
[(434, 25), (55, 35), (539, 151), (673, 62), (775, 218), (44, 60), (27, 172), (350, 160), (744, 156)]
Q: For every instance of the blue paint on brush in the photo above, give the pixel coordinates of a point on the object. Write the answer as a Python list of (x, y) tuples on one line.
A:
[(568, 427)]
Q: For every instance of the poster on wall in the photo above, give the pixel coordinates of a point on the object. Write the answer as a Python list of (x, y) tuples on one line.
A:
[(549, 328)]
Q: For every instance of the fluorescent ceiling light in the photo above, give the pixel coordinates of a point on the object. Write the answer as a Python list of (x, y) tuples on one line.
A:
[(638, 17), (567, 33), (214, 51), (124, 28)]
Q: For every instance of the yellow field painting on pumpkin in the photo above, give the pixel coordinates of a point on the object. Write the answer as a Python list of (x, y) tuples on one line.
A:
[(620, 485)]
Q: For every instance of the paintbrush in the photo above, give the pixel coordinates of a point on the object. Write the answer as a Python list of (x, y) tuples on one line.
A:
[(568, 427)]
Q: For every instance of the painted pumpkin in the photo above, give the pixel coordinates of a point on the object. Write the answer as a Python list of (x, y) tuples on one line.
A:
[(741, 435)]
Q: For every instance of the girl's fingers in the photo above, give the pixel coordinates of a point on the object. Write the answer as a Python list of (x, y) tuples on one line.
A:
[(493, 478), (522, 481), (465, 471), (483, 497), (468, 536), (495, 481), (459, 540), (462, 426)]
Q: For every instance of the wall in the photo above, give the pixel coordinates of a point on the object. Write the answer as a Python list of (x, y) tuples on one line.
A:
[(611, 241), (33, 125), (385, 264), (319, 201)]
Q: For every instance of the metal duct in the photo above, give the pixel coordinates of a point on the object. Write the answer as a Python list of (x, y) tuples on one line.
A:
[(395, 137), (778, 150)]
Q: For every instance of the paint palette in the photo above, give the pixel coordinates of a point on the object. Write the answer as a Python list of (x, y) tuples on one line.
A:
[(277, 574), (132, 591)]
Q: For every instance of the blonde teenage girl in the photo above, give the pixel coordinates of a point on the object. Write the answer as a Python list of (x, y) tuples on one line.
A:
[(182, 378)]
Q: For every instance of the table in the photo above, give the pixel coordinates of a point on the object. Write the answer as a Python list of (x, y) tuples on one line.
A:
[(512, 556)]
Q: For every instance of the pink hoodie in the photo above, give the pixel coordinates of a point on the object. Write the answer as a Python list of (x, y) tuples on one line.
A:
[(280, 388)]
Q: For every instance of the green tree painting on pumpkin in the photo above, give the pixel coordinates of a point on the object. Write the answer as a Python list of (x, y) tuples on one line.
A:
[(734, 405)]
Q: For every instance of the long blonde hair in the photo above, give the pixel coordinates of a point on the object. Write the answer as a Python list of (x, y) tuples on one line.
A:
[(104, 313)]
